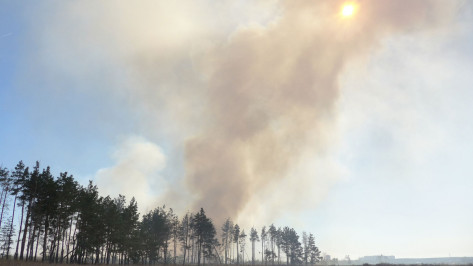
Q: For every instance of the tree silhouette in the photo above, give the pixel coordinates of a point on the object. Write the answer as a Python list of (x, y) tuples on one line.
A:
[(264, 235), (185, 235), (204, 232), (236, 237), (20, 175), (5, 183), (314, 253), (227, 233), (64, 222), (6, 239), (273, 234), (242, 240), (253, 238)]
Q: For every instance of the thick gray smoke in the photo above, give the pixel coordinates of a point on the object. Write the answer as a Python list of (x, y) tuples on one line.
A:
[(251, 108), (272, 92)]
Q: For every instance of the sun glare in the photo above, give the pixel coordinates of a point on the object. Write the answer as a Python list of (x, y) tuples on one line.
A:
[(348, 10)]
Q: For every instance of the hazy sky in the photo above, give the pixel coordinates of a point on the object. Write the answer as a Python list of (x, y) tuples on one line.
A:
[(358, 129)]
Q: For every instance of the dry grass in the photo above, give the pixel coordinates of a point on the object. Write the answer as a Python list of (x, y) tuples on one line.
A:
[(4, 262), (26, 263)]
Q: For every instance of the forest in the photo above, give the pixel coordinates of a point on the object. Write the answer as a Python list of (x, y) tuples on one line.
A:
[(60, 221)]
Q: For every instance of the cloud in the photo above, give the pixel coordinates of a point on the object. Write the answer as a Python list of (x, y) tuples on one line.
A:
[(136, 173)]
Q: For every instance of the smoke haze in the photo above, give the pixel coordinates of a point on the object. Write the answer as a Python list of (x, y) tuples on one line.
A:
[(270, 98), (247, 91)]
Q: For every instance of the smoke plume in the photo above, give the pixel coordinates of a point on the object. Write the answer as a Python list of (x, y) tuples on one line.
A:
[(271, 94), (252, 104)]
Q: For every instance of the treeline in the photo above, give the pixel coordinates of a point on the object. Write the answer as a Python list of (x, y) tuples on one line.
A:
[(60, 221)]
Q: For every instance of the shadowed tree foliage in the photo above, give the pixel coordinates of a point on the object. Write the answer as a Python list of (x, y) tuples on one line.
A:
[(60, 221), (154, 228), (236, 237), (227, 236), (20, 175), (291, 246), (273, 234), (205, 235), (264, 235), (253, 238), (313, 251), (185, 234), (6, 238), (242, 242), (6, 184)]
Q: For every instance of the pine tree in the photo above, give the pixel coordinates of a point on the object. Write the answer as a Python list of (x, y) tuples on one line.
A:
[(227, 229), (204, 232), (314, 253), (71, 222), (6, 238), (236, 236), (29, 189), (305, 247), (253, 238), (67, 197), (185, 234), (6, 184), (279, 243), (20, 175), (174, 223), (272, 231), (263, 239), (291, 246), (242, 240)]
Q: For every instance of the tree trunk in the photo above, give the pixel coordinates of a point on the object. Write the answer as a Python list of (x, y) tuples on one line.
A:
[(199, 252), (109, 250), (64, 235), (58, 239), (97, 253), (19, 231), (3, 206), (73, 251), (253, 252), (192, 252), (262, 250), (185, 251), (30, 246), (37, 244), (226, 249), (165, 251), (52, 250), (69, 240), (4, 192), (11, 228), (25, 231), (45, 239), (279, 256), (237, 253), (175, 246)]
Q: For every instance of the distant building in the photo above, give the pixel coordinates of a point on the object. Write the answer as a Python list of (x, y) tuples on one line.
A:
[(444, 260), (373, 260), (377, 259)]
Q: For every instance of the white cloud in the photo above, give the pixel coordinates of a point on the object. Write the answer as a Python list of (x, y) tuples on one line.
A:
[(136, 173)]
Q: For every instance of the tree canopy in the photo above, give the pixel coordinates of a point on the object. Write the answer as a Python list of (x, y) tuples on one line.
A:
[(55, 219)]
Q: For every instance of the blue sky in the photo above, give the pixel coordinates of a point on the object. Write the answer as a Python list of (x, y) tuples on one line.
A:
[(141, 97)]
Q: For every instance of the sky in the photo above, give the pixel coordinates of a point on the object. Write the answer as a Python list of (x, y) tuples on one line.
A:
[(355, 128)]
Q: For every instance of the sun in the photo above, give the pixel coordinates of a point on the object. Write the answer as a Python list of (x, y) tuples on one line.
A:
[(348, 10)]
